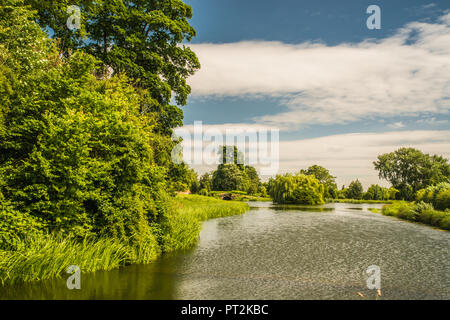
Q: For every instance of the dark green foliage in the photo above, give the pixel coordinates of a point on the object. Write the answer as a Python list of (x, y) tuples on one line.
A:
[(355, 190), (206, 182), (410, 170), (85, 164), (438, 195), (253, 181), (228, 177), (139, 38), (297, 189), (232, 174), (325, 178), (181, 177), (376, 192), (15, 227)]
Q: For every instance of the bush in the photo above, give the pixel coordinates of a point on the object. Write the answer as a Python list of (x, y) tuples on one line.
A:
[(15, 227), (438, 195), (442, 201), (297, 189), (419, 212)]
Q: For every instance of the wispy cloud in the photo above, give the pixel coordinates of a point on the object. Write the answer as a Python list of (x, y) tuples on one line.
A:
[(405, 74), (397, 125)]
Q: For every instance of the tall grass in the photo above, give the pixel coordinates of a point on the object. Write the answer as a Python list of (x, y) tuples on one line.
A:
[(44, 257), (182, 226), (49, 256)]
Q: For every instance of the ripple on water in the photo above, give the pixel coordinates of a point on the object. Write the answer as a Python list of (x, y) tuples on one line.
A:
[(290, 253)]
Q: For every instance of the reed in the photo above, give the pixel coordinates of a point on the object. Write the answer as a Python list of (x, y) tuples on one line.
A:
[(42, 257), (182, 226)]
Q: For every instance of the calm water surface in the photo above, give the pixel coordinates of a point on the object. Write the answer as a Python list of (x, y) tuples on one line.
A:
[(280, 252)]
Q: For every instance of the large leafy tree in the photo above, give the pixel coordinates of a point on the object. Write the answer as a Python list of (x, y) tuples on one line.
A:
[(323, 175), (355, 190), (410, 170), (297, 189), (140, 38), (233, 174), (75, 150), (228, 177)]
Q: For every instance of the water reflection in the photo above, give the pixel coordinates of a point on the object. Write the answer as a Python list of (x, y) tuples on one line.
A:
[(280, 252)]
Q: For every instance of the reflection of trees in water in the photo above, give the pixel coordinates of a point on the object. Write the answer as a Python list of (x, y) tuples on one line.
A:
[(152, 281)]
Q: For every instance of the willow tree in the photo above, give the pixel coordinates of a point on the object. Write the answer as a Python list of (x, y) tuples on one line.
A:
[(297, 189)]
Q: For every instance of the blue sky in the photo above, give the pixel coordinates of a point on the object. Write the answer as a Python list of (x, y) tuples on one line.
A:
[(314, 70)]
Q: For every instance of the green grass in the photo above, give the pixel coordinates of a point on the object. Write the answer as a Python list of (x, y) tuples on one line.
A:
[(49, 256), (355, 201), (45, 257), (418, 212)]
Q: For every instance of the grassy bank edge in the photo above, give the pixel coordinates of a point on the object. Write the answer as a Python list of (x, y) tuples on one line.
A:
[(418, 212), (46, 257)]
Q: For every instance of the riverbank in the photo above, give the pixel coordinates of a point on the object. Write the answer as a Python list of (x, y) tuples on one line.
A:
[(418, 212), (48, 256), (238, 196), (358, 201)]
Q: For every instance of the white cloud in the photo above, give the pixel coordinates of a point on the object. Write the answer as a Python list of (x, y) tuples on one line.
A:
[(405, 74), (351, 156)]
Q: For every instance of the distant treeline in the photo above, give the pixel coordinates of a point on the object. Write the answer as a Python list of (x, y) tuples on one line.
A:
[(411, 173)]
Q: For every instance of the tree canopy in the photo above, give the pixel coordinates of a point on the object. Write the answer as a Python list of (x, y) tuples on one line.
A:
[(410, 170), (355, 190), (297, 189), (323, 175)]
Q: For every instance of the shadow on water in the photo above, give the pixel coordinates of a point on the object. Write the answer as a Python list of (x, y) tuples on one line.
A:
[(154, 281)]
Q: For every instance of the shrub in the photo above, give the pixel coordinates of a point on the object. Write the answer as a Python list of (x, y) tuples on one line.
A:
[(438, 195), (420, 212), (15, 227), (297, 189), (442, 201)]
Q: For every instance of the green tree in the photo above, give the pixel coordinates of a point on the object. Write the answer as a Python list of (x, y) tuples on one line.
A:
[(228, 177), (410, 170), (253, 180), (75, 150), (375, 192), (143, 39), (324, 177), (181, 177), (355, 190), (297, 189), (206, 182)]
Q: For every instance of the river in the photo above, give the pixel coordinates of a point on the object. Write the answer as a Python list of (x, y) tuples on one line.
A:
[(280, 252)]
